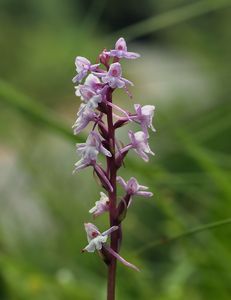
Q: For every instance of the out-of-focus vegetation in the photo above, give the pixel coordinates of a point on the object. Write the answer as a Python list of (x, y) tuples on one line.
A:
[(185, 71)]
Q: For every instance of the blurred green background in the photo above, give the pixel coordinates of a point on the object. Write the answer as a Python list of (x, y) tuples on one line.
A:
[(185, 71)]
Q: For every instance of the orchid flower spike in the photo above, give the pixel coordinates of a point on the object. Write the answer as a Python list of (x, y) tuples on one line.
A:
[(101, 206), (89, 151), (95, 85), (144, 116), (120, 50), (83, 66), (133, 188), (114, 77), (97, 241), (139, 142)]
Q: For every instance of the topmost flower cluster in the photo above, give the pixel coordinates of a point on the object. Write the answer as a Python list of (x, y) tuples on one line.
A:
[(93, 94), (83, 65)]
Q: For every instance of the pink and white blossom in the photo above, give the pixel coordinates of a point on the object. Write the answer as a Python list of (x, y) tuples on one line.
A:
[(93, 82), (94, 102), (120, 50), (114, 77), (90, 106), (91, 87), (83, 66), (84, 92), (95, 238), (139, 142), (101, 206), (89, 151), (91, 230), (84, 116), (97, 241), (133, 188), (144, 116)]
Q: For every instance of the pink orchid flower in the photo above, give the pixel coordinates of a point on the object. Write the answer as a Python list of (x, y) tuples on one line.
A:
[(133, 188), (83, 66), (101, 206), (89, 151), (144, 116), (139, 142), (90, 88), (114, 77), (84, 116), (120, 50), (97, 241)]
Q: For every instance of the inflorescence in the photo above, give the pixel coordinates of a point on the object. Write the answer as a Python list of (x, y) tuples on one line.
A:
[(97, 108)]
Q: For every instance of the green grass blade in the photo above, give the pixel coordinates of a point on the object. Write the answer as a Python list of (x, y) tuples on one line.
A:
[(170, 18), (35, 111), (188, 233), (203, 158)]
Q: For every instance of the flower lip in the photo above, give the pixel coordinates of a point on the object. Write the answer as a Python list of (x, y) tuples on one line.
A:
[(114, 73), (94, 234)]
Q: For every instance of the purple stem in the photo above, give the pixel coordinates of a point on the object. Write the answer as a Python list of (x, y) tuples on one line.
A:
[(112, 170)]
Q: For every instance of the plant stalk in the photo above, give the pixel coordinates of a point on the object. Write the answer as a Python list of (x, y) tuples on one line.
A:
[(112, 170)]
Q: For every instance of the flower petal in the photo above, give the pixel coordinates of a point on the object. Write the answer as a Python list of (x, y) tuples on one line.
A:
[(121, 181), (110, 230), (121, 259)]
